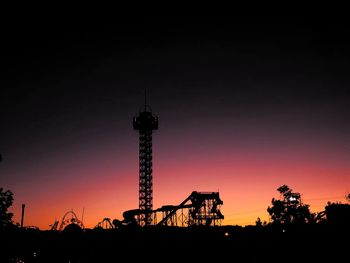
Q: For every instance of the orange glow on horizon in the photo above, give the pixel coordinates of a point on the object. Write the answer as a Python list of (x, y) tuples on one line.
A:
[(245, 197), (246, 174)]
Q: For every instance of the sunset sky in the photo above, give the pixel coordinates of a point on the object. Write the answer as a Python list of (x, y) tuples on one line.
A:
[(245, 104)]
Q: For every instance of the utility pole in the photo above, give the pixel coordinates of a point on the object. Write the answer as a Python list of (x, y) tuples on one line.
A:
[(22, 218)]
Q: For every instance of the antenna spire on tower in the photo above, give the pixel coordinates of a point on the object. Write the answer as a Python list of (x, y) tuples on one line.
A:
[(146, 98)]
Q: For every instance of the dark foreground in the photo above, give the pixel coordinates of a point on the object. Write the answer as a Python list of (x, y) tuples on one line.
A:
[(308, 243)]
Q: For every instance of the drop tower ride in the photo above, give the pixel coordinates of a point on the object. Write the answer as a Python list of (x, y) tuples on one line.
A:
[(145, 123)]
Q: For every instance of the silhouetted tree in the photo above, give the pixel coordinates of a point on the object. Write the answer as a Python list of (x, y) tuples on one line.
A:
[(338, 213), (348, 197), (259, 223), (289, 209), (6, 200)]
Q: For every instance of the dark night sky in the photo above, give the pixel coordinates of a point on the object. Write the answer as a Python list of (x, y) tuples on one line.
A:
[(70, 89)]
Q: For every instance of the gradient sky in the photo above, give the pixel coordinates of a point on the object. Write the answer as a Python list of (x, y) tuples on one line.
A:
[(245, 104)]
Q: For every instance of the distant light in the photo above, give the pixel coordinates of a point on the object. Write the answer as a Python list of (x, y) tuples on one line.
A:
[(34, 254), (283, 230), (226, 234)]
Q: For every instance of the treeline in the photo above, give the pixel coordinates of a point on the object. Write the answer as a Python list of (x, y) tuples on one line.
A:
[(289, 209)]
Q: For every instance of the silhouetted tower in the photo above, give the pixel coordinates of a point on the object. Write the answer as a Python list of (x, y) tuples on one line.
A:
[(145, 123)]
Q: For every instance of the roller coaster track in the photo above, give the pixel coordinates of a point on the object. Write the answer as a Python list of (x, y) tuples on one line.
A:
[(105, 224)]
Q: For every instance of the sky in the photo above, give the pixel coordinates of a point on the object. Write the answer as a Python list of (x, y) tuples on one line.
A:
[(246, 103)]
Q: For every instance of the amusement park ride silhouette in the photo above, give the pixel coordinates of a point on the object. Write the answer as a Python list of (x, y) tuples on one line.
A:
[(199, 208), (69, 219)]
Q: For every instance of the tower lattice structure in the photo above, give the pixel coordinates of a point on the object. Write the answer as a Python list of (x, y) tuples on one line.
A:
[(145, 123)]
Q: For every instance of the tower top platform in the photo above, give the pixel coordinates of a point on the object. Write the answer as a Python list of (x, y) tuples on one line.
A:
[(145, 121)]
